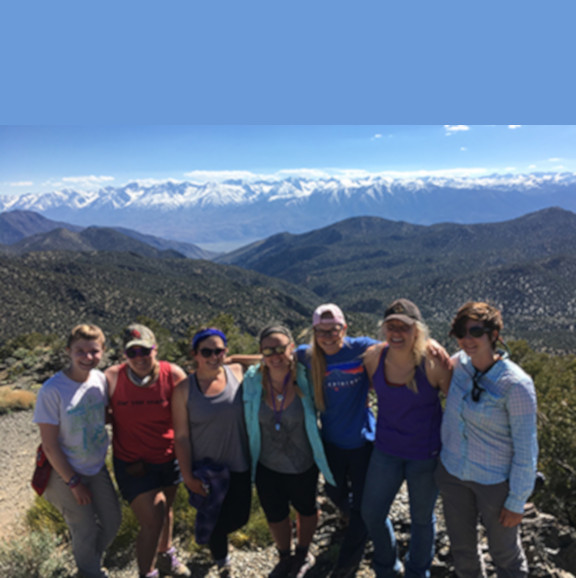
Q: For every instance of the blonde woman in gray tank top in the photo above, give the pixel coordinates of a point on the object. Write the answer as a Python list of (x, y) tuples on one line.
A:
[(209, 423)]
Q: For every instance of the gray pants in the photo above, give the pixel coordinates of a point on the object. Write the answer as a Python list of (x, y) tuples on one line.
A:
[(463, 503), (92, 526)]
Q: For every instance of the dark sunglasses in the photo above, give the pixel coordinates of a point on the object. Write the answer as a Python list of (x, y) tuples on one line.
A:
[(476, 331), (476, 389), (134, 352), (327, 332), (208, 352), (270, 351)]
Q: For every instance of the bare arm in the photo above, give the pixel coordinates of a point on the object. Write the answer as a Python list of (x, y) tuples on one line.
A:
[(438, 374), (372, 358), (245, 360), (51, 445), (111, 375), (178, 374), (434, 349), (182, 437)]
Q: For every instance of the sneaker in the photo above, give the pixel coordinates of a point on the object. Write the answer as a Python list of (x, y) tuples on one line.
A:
[(301, 565), (169, 565), (283, 568), (153, 574), (225, 571)]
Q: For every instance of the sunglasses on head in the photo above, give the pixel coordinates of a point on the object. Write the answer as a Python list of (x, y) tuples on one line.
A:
[(209, 352), (476, 331), (327, 332), (134, 352), (278, 350)]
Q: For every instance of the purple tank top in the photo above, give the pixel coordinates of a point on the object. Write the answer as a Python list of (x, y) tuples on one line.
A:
[(408, 424)]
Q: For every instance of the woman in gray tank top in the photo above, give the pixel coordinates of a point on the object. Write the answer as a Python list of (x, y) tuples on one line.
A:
[(285, 448), (209, 423)]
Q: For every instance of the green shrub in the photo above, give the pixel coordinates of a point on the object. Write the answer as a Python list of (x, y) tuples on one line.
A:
[(40, 554), (555, 382)]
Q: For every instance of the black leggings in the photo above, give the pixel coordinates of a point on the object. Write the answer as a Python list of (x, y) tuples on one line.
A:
[(233, 515)]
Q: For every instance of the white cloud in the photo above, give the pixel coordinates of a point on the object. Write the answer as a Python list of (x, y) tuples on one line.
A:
[(510, 169), (532, 166), (514, 126), (376, 136), (207, 176), (87, 179), (452, 128), (302, 173), (21, 184), (555, 160), (463, 149)]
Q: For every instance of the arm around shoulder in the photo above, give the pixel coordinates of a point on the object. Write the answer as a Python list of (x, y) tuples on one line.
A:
[(372, 358), (438, 374)]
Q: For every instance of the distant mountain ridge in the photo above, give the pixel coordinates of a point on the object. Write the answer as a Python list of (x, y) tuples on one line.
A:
[(527, 266), (26, 231), (242, 211)]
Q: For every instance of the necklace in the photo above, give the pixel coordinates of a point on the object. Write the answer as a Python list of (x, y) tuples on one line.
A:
[(281, 397)]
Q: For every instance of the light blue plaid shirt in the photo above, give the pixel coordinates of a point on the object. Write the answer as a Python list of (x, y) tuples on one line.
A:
[(494, 439)]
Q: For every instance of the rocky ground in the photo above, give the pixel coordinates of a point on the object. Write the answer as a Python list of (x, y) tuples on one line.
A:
[(551, 548)]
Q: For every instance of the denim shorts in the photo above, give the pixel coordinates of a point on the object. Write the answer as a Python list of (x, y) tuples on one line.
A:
[(140, 477)]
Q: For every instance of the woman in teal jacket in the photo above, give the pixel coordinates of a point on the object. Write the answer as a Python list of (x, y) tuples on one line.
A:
[(285, 446)]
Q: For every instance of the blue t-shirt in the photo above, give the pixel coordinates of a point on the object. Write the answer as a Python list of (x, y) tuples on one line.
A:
[(347, 422)]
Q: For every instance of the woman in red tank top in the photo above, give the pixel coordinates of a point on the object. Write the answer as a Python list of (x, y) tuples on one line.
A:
[(143, 440)]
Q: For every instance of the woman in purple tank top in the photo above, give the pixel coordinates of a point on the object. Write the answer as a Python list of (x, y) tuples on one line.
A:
[(407, 382)]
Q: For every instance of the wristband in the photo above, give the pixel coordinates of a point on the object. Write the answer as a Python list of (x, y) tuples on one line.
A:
[(74, 481)]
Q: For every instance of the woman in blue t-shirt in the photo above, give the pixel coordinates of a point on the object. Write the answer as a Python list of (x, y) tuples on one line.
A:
[(336, 369)]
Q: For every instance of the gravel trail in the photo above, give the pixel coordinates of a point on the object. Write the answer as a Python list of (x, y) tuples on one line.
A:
[(19, 439)]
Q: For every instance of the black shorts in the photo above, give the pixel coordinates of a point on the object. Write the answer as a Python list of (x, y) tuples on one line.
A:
[(278, 491), (142, 477)]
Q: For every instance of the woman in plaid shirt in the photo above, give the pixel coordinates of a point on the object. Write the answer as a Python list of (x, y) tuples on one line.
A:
[(489, 446)]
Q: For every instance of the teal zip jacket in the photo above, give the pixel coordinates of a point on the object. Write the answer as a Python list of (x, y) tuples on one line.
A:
[(252, 394)]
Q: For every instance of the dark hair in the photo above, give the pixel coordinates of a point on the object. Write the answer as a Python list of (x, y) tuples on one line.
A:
[(275, 328), (487, 314)]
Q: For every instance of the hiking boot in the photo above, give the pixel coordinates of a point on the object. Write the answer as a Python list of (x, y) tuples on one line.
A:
[(301, 563), (225, 571), (169, 565), (283, 568)]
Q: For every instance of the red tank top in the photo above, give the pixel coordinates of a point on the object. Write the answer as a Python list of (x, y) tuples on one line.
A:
[(142, 418)]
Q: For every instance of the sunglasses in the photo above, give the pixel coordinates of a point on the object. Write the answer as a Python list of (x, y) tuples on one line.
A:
[(476, 331), (270, 351), (476, 389), (327, 332), (398, 328), (134, 352), (209, 352)]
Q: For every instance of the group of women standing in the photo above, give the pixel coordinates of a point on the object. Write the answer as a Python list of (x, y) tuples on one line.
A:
[(279, 419)]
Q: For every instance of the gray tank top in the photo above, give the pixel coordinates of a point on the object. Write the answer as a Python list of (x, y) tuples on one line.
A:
[(286, 450), (217, 428)]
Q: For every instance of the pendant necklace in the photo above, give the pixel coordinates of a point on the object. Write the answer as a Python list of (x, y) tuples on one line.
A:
[(281, 397)]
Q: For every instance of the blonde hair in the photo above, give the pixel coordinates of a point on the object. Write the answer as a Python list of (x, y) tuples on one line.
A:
[(318, 372), (87, 332), (418, 348)]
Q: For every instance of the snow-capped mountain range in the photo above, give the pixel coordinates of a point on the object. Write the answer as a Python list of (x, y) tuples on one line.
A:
[(241, 211)]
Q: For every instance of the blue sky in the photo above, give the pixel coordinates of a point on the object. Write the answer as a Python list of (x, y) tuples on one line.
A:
[(39, 159)]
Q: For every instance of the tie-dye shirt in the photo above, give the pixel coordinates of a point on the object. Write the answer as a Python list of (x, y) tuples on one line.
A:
[(79, 410), (347, 422)]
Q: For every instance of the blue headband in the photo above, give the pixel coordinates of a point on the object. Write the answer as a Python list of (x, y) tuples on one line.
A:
[(204, 333)]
